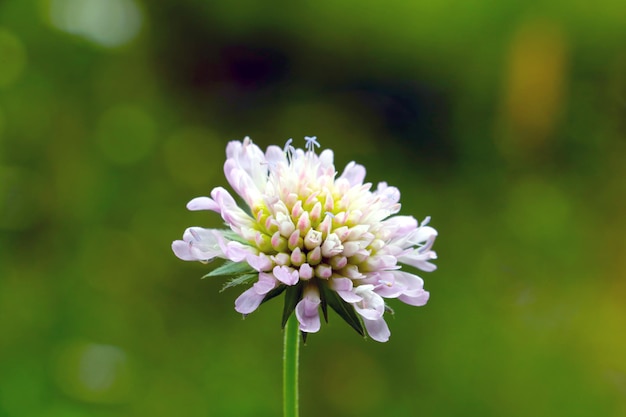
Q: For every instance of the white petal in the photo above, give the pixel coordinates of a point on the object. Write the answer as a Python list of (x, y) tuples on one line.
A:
[(423, 234)]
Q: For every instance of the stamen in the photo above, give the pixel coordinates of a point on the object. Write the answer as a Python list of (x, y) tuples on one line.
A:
[(287, 145), (311, 143), (289, 150)]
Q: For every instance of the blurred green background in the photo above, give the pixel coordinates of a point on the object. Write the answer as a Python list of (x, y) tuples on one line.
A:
[(504, 121)]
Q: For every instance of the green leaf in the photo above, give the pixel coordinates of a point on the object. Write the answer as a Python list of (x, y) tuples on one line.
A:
[(243, 279), (345, 310), (324, 305), (230, 268), (293, 294)]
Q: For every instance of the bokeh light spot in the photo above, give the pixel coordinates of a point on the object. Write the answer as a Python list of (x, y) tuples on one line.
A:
[(109, 23), (93, 372), (125, 134), (12, 58)]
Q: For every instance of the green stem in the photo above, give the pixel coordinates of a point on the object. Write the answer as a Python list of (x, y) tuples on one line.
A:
[(290, 367)]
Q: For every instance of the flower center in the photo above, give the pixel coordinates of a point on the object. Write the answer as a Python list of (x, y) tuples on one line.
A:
[(318, 236)]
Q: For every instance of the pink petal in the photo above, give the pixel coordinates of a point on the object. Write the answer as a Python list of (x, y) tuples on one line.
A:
[(203, 203), (237, 252), (265, 284), (305, 271), (307, 311), (198, 244), (230, 211), (372, 306), (419, 299), (377, 329), (183, 250), (286, 275), (354, 173), (248, 301), (343, 287), (260, 262)]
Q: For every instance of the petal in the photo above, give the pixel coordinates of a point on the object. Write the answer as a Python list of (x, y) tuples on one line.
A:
[(377, 329), (203, 203), (419, 259), (199, 244), (419, 299), (275, 155), (372, 306), (250, 161), (388, 286), (237, 252), (305, 271), (230, 211), (260, 262), (423, 234), (344, 287), (183, 250), (307, 311), (286, 275), (265, 284), (248, 301), (354, 173)]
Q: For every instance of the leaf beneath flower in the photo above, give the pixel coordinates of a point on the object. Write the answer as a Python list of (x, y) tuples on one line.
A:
[(293, 294), (230, 268), (243, 279), (345, 310)]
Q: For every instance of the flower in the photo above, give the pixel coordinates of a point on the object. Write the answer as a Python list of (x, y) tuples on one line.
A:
[(324, 240)]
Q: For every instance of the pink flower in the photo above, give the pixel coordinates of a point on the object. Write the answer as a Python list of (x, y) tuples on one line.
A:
[(329, 237)]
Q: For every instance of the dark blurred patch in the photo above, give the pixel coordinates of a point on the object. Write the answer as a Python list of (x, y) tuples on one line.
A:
[(205, 64), (240, 78), (417, 115)]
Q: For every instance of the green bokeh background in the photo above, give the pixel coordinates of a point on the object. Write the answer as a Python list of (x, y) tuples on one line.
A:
[(504, 121)]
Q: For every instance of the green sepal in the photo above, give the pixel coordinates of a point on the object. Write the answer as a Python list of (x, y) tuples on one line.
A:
[(324, 305), (243, 279), (345, 310), (293, 294), (274, 293), (230, 268)]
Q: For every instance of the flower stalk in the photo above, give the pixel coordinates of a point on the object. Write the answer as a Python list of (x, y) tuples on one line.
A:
[(291, 356)]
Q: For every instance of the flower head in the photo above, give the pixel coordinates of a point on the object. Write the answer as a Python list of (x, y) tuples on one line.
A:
[(323, 239)]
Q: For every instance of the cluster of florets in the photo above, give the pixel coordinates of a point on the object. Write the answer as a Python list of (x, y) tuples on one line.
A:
[(325, 240)]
